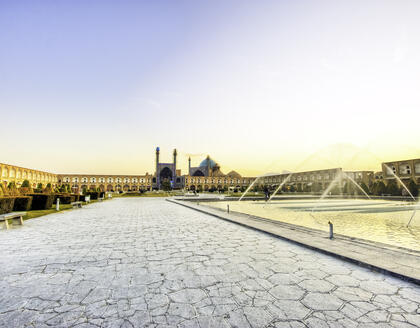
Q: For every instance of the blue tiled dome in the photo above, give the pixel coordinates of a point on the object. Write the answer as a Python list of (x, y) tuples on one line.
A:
[(207, 161)]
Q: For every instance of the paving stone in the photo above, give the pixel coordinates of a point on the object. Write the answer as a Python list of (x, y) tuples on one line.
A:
[(316, 285), (289, 310), (163, 265), (319, 301), (188, 295), (287, 292)]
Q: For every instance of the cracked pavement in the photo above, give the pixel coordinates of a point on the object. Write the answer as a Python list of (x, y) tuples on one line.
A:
[(145, 262)]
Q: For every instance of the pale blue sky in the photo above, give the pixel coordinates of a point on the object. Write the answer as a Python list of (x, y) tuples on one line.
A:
[(88, 86)]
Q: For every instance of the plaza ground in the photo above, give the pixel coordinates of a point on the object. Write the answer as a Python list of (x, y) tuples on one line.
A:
[(145, 262)]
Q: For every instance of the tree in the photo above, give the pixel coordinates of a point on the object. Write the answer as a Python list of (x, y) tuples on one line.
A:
[(392, 188), (48, 189), (413, 187), (379, 188), (25, 184), (365, 187), (25, 188), (166, 185), (12, 189)]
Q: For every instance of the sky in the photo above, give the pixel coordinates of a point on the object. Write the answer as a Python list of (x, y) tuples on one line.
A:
[(261, 86)]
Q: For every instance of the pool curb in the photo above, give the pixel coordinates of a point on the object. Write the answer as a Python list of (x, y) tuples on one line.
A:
[(400, 263)]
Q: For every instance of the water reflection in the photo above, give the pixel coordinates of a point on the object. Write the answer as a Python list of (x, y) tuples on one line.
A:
[(376, 220)]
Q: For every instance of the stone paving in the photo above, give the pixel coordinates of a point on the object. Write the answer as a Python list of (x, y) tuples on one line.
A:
[(150, 263)]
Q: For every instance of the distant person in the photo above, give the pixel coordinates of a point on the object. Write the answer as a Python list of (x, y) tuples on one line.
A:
[(266, 193)]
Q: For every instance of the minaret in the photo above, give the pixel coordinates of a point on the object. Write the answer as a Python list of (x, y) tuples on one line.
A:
[(208, 165), (189, 165), (175, 153), (157, 167)]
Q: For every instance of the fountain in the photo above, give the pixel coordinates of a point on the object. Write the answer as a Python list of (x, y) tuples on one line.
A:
[(356, 184), (253, 183), (388, 220), (279, 187), (414, 213), (249, 188), (389, 170), (327, 191)]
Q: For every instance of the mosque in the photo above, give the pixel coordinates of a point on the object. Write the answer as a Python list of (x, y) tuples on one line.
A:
[(206, 176)]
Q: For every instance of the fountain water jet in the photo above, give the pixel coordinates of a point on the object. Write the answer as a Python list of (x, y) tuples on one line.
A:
[(253, 182), (356, 184), (400, 181), (249, 188), (325, 193), (414, 213), (281, 185)]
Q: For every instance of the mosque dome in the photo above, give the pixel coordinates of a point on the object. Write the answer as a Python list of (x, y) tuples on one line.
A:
[(234, 174), (208, 161)]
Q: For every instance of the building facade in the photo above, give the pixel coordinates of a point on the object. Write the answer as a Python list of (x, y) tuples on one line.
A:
[(12, 173), (403, 169), (209, 176), (318, 180), (78, 182)]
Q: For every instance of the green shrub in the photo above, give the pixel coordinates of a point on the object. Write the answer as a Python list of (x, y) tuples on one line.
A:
[(38, 188), (25, 184), (42, 201), (13, 191), (48, 189), (22, 203), (6, 204)]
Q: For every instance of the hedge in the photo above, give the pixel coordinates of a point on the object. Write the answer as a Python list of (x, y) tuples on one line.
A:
[(93, 194), (42, 201), (64, 199), (22, 203), (6, 204)]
